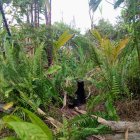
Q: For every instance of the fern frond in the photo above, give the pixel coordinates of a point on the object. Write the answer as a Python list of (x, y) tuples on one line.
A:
[(97, 35), (115, 88), (94, 101), (37, 61)]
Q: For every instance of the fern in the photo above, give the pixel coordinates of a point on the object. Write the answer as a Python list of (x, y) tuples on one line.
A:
[(37, 61), (115, 88), (95, 100), (84, 125), (111, 111)]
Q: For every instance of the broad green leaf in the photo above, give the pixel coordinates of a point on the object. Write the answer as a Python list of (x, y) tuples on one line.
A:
[(53, 69), (28, 131), (11, 118), (36, 120), (9, 138)]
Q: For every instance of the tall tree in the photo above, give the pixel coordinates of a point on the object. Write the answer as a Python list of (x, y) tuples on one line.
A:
[(49, 43)]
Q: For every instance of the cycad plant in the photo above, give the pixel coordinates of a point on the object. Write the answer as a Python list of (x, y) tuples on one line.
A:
[(108, 73), (109, 56)]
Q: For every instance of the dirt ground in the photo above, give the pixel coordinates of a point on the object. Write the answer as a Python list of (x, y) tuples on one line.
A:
[(128, 110)]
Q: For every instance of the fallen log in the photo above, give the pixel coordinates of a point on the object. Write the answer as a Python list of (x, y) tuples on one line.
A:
[(117, 126)]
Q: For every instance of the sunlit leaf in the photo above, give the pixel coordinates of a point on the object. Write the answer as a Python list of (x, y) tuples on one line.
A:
[(28, 131), (11, 118), (53, 69), (37, 121), (63, 39), (8, 106), (9, 138)]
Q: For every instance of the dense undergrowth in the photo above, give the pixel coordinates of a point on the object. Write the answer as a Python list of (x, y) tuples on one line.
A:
[(106, 60)]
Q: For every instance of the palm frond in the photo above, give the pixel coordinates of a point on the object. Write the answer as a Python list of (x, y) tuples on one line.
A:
[(118, 3), (93, 4)]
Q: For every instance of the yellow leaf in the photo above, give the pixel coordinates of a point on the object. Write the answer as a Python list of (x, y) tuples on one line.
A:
[(7, 106), (97, 35), (120, 47), (63, 39)]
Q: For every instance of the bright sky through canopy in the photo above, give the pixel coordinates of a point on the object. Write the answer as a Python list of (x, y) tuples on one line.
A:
[(67, 9)]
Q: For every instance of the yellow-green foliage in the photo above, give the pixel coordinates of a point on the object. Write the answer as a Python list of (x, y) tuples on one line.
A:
[(108, 49)]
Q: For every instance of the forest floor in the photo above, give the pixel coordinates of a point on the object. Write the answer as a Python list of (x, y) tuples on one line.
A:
[(127, 111)]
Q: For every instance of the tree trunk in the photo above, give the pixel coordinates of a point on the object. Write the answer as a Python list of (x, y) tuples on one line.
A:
[(32, 17), (28, 15), (46, 14), (49, 47), (35, 13), (4, 19), (38, 8)]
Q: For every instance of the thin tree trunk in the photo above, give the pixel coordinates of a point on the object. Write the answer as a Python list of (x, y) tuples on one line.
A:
[(46, 14), (32, 17), (4, 19), (35, 13), (49, 47), (38, 8), (28, 16)]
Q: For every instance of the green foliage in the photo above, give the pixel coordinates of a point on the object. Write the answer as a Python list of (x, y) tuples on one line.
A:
[(37, 121), (25, 76), (28, 131), (108, 60), (106, 29), (53, 69), (83, 126), (36, 129), (111, 111), (63, 39), (95, 100)]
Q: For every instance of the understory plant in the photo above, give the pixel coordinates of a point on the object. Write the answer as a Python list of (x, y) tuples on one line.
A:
[(109, 73), (24, 76), (32, 129)]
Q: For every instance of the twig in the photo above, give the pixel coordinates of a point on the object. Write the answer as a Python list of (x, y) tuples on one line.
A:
[(126, 134), (65, 100)]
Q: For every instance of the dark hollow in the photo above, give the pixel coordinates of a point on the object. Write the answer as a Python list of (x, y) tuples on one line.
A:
[(80, 95)]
